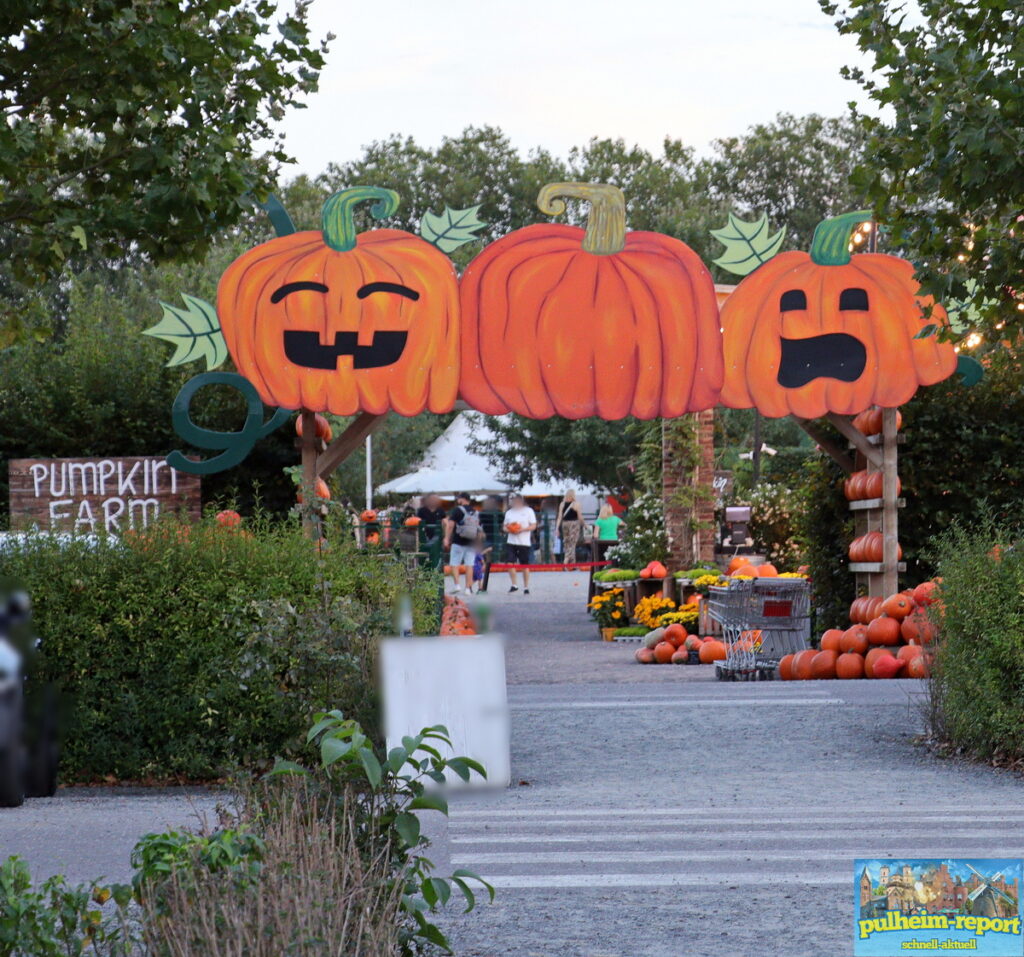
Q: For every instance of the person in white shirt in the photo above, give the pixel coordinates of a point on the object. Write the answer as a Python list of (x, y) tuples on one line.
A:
[(520, 521)]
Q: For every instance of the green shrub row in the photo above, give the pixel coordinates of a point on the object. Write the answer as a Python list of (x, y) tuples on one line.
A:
[(185, 651), (976, 701)]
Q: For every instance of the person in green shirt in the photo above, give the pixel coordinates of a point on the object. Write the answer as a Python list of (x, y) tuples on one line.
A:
[(606, 530)]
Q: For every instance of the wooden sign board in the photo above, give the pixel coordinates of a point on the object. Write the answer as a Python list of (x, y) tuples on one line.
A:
[(98, 495)]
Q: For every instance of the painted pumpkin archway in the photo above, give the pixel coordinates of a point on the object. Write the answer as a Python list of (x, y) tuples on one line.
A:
[(344, 322), (811, 333), (557, 320)]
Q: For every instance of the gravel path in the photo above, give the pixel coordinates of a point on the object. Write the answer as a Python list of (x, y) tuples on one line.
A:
[(655, 812), (660, 812)]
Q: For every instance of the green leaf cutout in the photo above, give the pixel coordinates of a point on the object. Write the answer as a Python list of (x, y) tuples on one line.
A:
[(194, 332), (453, 228), (747, 245)]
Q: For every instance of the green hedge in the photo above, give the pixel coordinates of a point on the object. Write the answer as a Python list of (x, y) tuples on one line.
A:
[(184, 652), (979, 669)]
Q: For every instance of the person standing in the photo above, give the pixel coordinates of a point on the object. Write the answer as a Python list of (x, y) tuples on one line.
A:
[(606, 530), (519, 524), (569, 525), (461, 531), (431, 516)]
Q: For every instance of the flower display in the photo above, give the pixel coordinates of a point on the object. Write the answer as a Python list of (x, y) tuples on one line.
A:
[(687, 616), (608, 608), (649, 611)]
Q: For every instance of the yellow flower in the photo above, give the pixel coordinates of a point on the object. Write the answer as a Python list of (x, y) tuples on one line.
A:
[(616, 614)]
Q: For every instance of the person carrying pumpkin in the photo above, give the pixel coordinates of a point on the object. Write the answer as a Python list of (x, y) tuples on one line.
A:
[(519, 524), (461, 530)]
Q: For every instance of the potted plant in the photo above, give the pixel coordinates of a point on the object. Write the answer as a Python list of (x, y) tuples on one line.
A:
[(608, 609)]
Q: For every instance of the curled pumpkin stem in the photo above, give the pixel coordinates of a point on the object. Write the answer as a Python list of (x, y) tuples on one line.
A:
[(830, 245), (606, 219), (338, 215)]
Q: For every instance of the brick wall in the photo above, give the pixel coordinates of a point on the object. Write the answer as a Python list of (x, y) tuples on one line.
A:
[(687, 545)]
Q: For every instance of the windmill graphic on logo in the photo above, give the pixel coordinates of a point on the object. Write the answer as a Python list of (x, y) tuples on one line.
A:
[(986, 896)]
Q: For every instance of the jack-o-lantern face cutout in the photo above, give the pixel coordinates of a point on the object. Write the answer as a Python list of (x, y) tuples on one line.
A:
[(807, 334), (341, 322)]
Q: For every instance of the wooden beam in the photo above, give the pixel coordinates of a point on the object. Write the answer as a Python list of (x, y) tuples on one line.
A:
[(857, 438), (366, 423), (827, 445)]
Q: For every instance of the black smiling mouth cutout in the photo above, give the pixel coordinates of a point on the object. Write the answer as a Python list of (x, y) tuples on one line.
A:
[(305, 349), (834, 355)]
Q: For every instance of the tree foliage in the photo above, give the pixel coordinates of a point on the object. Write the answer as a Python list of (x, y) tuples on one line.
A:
[(946, 172), (140, 124)]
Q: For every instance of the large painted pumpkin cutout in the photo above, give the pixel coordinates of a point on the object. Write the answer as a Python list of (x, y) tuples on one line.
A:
[(811, 333), (339, 321), (601, 322)]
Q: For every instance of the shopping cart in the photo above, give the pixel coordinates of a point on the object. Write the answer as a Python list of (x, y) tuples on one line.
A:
[(762, 619)]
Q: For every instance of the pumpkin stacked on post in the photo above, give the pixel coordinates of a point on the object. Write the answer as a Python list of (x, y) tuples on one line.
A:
[(601, 322)]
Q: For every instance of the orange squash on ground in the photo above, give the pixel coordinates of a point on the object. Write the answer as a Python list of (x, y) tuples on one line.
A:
[(335, 321), (823, 665), (918, 667), (786, 667), (663, 652), (802, 664), (872, 657), (712, 651), (811, 333), (602, 322), (850, 665), (644, 656), (675, 635)]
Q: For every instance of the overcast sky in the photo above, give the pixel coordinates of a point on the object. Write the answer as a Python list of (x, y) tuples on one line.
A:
[(556, 72)]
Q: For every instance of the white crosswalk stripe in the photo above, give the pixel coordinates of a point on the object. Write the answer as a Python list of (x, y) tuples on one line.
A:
[(554, 848)]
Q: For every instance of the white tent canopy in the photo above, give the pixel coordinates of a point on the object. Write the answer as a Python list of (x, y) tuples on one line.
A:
[(450, 466)]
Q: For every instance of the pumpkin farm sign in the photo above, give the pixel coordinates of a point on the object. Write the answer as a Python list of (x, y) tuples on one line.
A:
[(551, 320)]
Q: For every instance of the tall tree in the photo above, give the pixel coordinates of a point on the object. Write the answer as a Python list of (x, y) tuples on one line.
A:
[(796, 169), (140, 124), (944, 166)]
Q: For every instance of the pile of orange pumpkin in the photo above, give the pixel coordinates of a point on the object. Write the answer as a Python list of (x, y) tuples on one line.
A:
[(457, 619), (673, 645), (740, 567), (654, 569), (888, 638)]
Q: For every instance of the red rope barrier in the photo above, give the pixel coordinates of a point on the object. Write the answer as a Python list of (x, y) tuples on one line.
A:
[(569, 566)]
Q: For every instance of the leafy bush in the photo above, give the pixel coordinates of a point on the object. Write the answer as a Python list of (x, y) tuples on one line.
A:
[(976, 699), (644, 538), (617, 575), (633, 631), (188, 650), (773, 513), (824, 528), (321, 860)]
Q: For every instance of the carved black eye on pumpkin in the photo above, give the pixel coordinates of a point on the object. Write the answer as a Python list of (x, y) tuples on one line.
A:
[(853, 299), (793, 299)]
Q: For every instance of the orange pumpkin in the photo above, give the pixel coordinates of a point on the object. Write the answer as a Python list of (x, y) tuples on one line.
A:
[(884, 631), (786, 667), (850, 665), (340, 322), (831, 640), (855, 639), (823, 665), (801, 667), (810, 333), (602, 322), (711, 651)]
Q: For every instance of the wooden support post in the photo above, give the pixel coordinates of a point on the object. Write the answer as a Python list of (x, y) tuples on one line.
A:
[(309, 446), (890, 510), (345, 444)]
